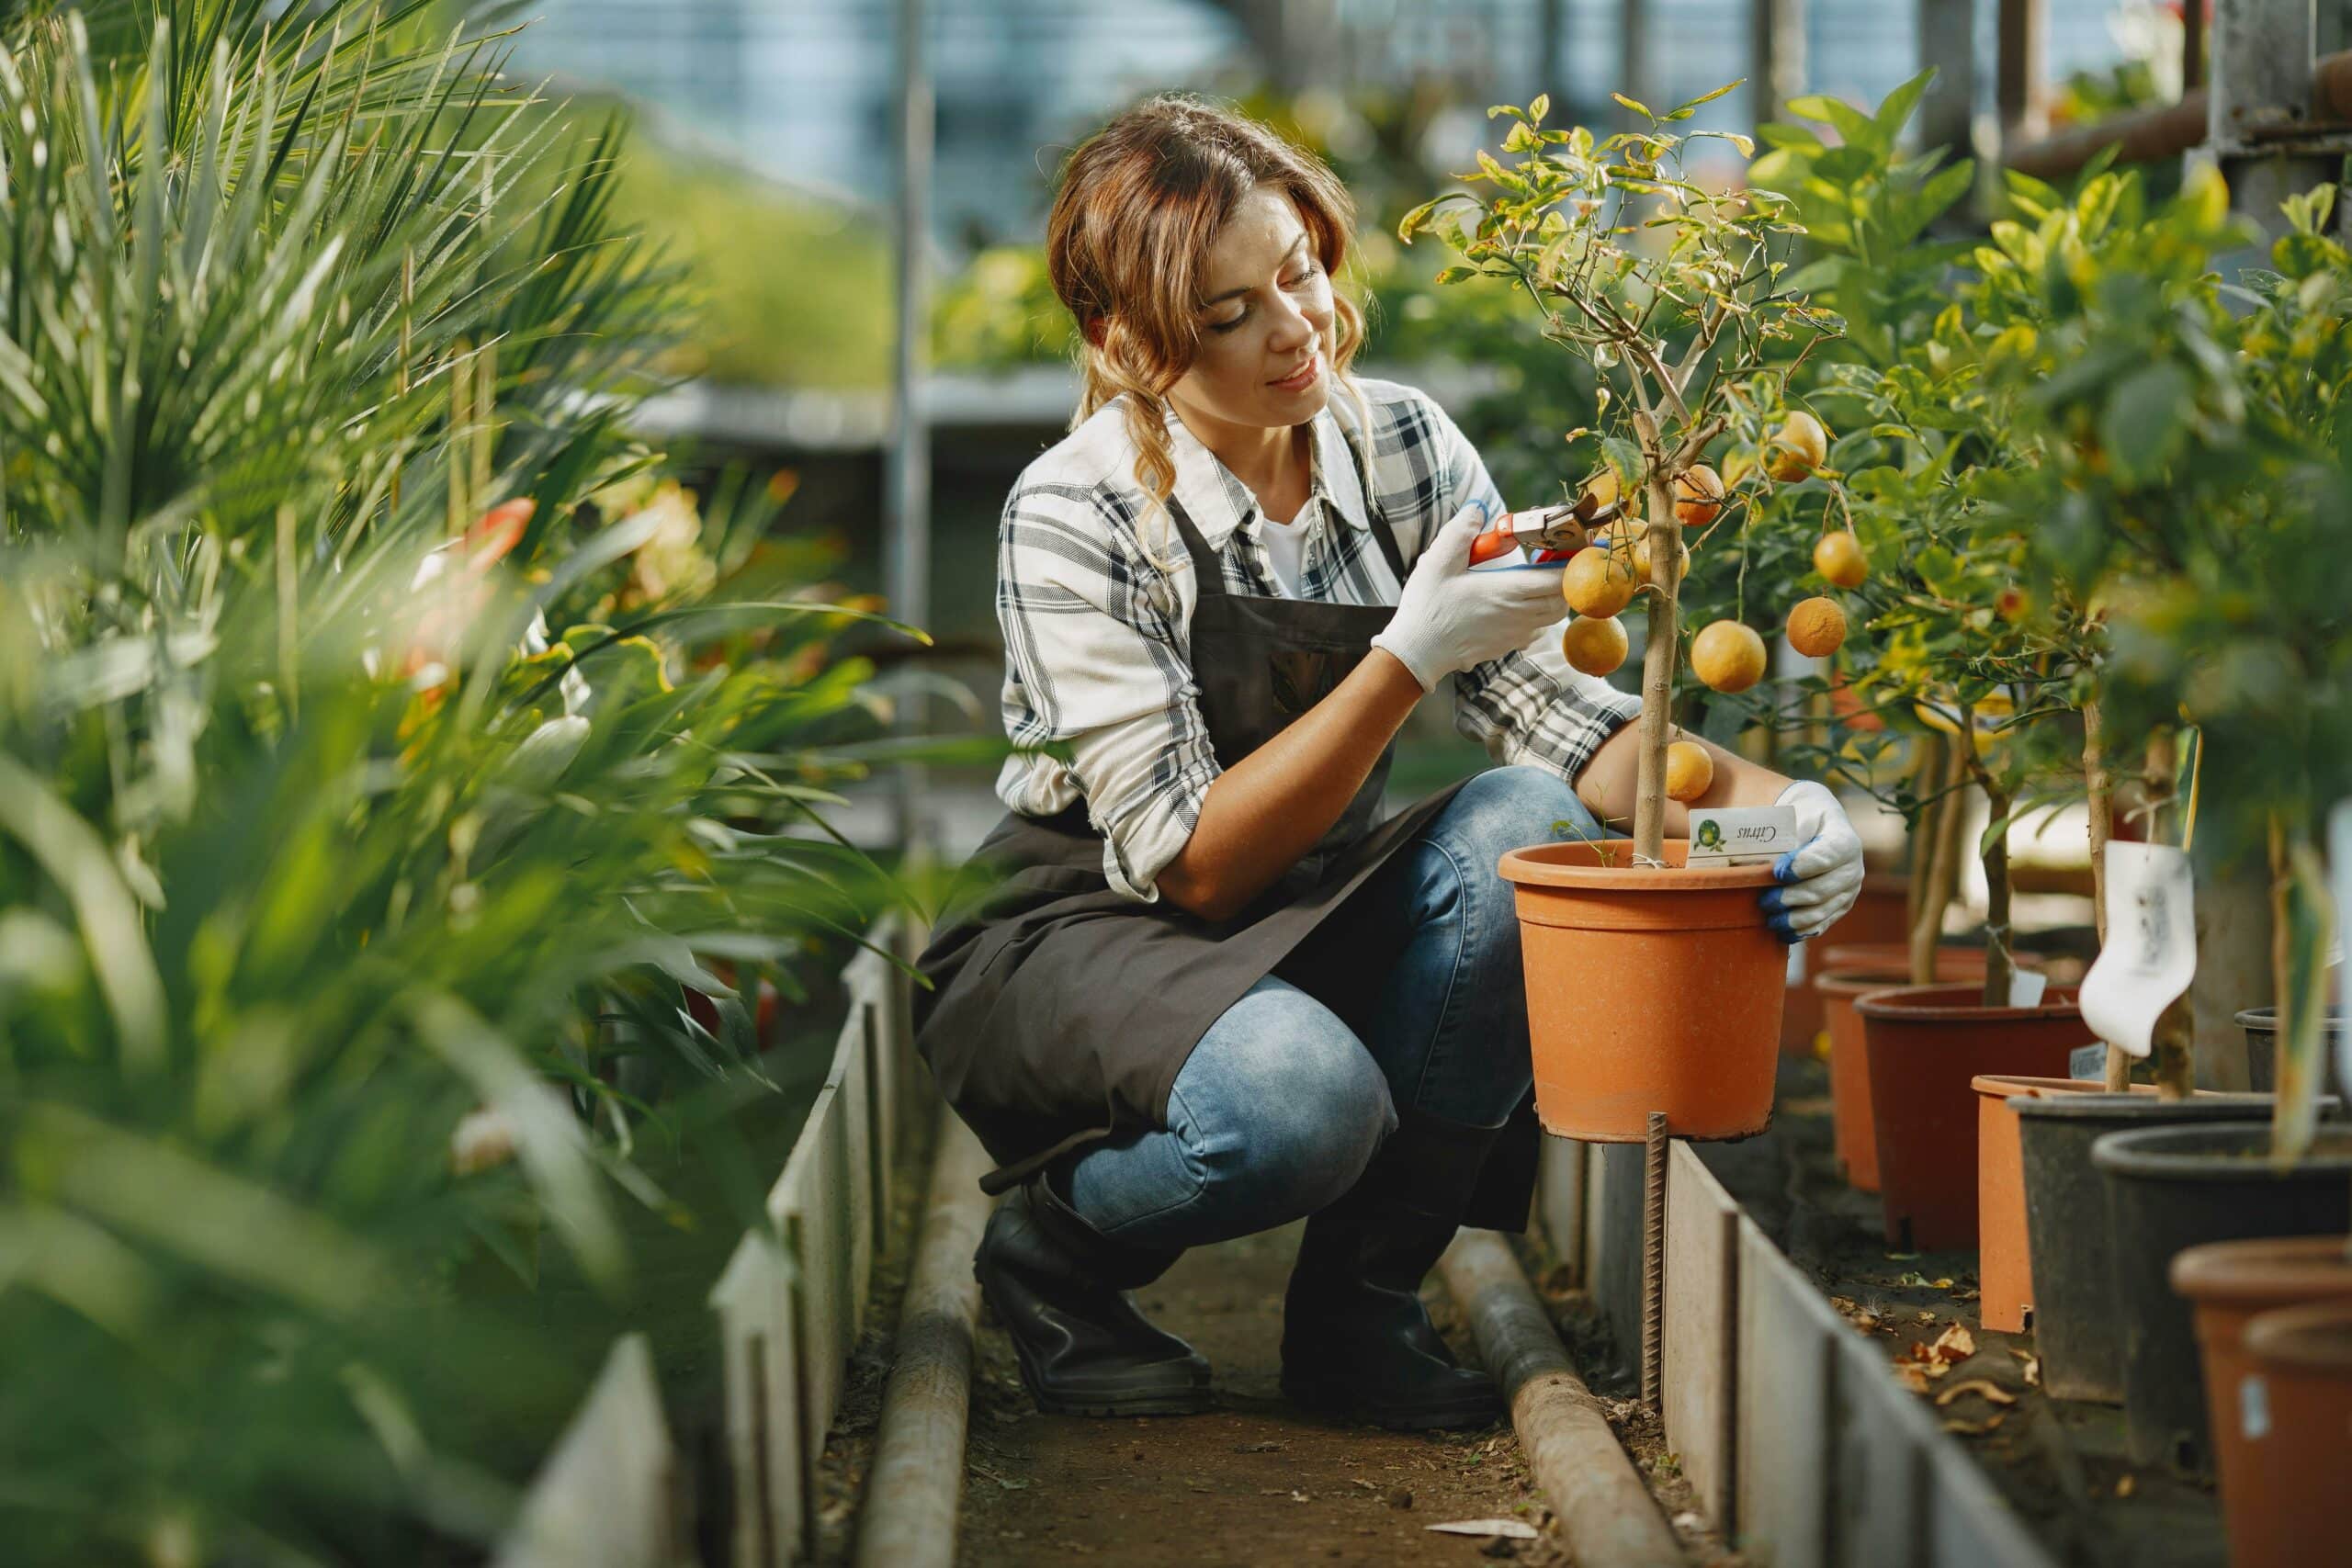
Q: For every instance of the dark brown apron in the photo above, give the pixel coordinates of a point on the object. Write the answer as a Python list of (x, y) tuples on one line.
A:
[(1061, 1011)]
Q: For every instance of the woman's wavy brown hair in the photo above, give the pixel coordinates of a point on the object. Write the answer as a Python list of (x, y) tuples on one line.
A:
[(1139, 204)]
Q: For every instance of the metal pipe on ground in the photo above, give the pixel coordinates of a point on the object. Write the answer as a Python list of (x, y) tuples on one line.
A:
[(2167, 130), (1605, 1510), (917, 1482)]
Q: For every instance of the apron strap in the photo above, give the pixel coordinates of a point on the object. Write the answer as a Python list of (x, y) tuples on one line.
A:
[(1381, 529), (1209, 576)]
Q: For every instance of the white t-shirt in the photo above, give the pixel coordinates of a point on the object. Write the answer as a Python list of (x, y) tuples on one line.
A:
[(1286, 548)]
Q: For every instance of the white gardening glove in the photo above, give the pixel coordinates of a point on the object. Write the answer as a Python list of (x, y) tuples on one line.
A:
[(1450, 617), (1819, 880)]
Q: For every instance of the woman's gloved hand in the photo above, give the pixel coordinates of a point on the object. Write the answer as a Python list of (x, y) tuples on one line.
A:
[(1448, 617), (1819, 879)]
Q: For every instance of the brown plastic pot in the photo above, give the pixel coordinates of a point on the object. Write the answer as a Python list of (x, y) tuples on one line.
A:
[(1852, 971), (1926, 1043), (2229, 1284), (1879, 916), (2302, 1360), (2004, 1260), (1647, 989)]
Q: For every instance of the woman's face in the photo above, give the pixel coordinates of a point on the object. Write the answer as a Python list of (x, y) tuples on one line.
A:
[(1266, 316)]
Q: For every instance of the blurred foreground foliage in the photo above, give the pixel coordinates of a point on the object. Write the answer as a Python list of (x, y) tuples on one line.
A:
[(411, 798)]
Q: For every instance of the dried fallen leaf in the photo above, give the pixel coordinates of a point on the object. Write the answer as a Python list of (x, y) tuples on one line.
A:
[(2032, 1364), (1986, 1386), (2125, 1487), (1911, 1376), (1955, 1343), (1508, 1530), (1977, 1428), (1927, 1317)]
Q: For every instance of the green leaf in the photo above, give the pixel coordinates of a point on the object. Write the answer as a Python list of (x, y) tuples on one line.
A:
[(2146, 417), (1638, 107), (1539, 107), (1894, 110), (1684, 111)]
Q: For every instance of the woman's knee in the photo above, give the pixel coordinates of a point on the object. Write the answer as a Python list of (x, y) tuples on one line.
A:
[(1501, 810), (1302, 1103)]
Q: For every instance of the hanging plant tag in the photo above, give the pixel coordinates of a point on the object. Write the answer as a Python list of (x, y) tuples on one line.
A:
[(1742, 835), (2026, 987), (2151, 951)]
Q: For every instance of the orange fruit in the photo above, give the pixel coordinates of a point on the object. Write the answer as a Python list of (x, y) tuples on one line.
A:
[(1594, 582), (1839, 557), (1817, 628), (1728, 656), (1689, 771), (1698, 496), (1799, 447), (1594, 644), (1600, 492)]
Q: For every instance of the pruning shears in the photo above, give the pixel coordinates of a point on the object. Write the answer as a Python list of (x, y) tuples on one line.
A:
[(1548, 534)]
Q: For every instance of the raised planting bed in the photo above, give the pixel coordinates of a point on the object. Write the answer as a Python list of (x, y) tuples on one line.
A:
[(1870, 1418)]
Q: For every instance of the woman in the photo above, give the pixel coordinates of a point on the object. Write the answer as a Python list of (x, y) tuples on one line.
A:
[(1208, 991)]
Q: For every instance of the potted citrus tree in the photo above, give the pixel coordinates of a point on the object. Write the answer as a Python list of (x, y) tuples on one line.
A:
[(1674, 293)]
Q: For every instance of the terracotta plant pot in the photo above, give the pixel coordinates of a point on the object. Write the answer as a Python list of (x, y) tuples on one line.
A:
[(2169, 1189), (1852, 972), (1647, 989), (1879, 916), (2304, 1357), (2228, 1284), (2075, 1315), (1925, 1044), (2004, 1266)]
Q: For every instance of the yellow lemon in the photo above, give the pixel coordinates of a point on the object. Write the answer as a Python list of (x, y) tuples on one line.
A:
[(1689, 771)]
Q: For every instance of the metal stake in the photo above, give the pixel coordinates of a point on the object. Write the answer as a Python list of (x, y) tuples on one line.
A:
[(1653, 1260)]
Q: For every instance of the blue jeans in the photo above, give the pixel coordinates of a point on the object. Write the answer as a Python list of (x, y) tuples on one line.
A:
[(1409, 994)]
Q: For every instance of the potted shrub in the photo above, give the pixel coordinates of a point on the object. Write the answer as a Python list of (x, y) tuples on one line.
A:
[(1652, 986), (2196, 473)]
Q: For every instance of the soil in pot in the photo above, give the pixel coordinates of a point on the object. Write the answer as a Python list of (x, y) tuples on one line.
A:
[(1852, 972), (1925, 1043), (2002, 1254), (2169, 1189), (1878, 918), (1647, 989), (2228, 1284), (2073, 1288), (2304, 1358), (2261, 1026)]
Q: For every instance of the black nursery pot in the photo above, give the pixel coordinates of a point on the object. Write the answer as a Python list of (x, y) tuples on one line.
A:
[(2065, 1221), (2169, 1189), (2261, 1026)]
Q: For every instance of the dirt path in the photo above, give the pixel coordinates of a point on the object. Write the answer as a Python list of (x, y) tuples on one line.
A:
[(1255, 1480)]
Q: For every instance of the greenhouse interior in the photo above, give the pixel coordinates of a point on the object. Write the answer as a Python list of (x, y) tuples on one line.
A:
[(1003, 767)]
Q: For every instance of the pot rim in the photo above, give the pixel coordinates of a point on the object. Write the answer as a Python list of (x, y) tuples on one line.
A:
[(1911, 1004), (1555, 865), (2233, 1272), (2316, 1336), (2004, 1085), (2265, 1020), (2141, 1152), (2207, 1105)]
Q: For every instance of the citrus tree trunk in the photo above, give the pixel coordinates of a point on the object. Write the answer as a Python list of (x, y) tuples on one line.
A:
[(1658, 655), (1998, 968), (1940, 874)]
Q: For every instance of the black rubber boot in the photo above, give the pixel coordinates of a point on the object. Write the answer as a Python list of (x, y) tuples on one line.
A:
[(1356, 1340), (1060, 1287)]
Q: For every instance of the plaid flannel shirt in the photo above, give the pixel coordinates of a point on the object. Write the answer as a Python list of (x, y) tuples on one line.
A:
[(1096, 616)]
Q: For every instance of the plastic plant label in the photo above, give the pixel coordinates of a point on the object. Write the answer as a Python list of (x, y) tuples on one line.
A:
[(2026, 987), (1742, 835), (2087, 1062), (2151, 951)]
